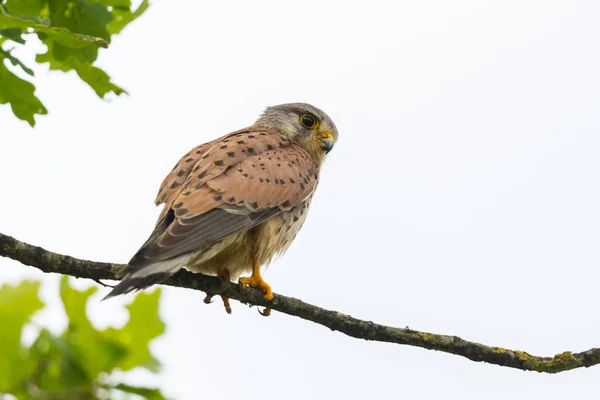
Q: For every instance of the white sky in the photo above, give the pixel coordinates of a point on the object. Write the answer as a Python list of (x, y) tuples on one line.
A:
[(462, 197)]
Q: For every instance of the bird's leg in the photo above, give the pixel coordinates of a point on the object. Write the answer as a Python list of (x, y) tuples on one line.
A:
[(226, 304), (223, 274), (256, 281)]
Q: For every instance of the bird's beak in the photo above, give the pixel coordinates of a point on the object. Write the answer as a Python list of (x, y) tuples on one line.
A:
[(327, 141)]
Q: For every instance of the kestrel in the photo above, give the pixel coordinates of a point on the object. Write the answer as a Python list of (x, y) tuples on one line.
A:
[(234, 203)]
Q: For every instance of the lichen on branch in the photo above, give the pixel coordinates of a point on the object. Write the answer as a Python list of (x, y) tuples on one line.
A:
[(48, 261)]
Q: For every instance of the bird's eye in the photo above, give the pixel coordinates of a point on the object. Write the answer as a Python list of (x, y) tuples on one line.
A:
[(308, 121)]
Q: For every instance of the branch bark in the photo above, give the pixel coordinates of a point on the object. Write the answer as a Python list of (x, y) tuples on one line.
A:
[(48, 261)]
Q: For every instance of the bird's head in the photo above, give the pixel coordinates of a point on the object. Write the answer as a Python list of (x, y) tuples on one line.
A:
[(304, 125)]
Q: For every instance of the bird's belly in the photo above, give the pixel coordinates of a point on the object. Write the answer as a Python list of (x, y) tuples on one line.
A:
[(235, 253), (274, 236), (231, 253)]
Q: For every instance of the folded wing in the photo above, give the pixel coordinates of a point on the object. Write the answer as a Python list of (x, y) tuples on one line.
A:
[(231, 185)]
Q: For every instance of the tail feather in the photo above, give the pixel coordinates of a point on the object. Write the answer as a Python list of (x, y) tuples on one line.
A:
[(149, 275)]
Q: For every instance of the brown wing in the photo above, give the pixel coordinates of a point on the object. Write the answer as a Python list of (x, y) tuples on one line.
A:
[(279, 178), (180, 172), (240, 181)]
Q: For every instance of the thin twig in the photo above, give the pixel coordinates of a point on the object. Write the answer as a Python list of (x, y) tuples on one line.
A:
[(48, 261)]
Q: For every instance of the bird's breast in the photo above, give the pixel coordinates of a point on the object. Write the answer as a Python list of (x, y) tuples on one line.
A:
[(274, 236)]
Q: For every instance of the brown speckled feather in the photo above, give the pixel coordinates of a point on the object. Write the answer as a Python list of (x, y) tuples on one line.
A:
[(173, 181), (231, 184), (278, 178)]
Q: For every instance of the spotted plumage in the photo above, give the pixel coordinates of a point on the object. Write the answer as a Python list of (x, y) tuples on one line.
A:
[(232, 204)]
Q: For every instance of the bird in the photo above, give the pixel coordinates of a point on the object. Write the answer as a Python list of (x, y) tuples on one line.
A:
[(232, 204)]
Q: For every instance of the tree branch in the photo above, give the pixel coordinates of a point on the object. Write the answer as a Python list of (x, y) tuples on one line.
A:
[(48, 261)]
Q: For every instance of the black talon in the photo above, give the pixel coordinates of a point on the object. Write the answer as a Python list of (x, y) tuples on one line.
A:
[(266, 312)]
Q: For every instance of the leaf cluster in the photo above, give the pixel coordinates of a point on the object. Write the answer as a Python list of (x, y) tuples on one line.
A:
[(72, 31), (81, 362)]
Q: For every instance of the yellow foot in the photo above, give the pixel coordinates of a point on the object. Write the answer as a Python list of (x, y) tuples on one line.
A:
[(226, 304), (209, 299), (266, 312), (256, 281), (223, 274)]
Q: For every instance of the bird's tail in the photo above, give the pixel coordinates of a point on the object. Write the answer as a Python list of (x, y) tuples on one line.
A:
[(148, 275)]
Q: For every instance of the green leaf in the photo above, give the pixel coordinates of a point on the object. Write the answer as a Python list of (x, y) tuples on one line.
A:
[(144, 325), (75, 303), (116, 3), (20, 95), (25, 7), (79, 362), (83, 17), (73, 31), (101, 353), (147, 393), (17, 304), (98, 80), (58, 364), (15, 61), (123, 16), (13, 34), (62, 36), (54, 63)]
